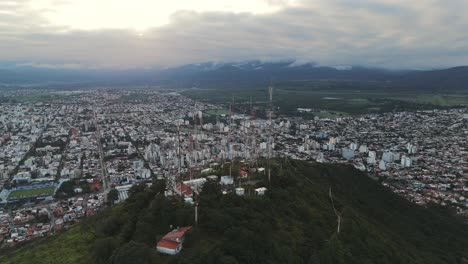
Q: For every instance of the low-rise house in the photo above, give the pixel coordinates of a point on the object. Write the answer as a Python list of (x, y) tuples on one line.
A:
[(172, 242), (226, 180), (260, 191), (240, 191)]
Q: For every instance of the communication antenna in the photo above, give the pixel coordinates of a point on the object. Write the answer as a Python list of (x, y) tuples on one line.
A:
[(179, 163), (230, 137), (196, 212), (192, 146), (195, 115), (270, 92), (201, 119), (253, 132)]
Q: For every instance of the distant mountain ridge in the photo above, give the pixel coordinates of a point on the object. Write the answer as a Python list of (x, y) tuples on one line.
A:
[(276, 71), (248, 71), (453, 78)]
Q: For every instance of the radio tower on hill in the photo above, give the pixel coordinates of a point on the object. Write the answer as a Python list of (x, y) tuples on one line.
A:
[(172, 179), (270, 92)]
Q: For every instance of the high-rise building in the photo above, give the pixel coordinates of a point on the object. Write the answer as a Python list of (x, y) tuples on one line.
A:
[(372, 157), (411, 148), (382, 165), (388, 156), (347, 153), (406, 161), (363, 149)]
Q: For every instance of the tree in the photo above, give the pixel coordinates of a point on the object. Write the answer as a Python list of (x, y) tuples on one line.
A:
[(113, 195), (227, 260), (42, 218), (137, 188), (85, 187), (103, 248), (66, 189), (211, 188)]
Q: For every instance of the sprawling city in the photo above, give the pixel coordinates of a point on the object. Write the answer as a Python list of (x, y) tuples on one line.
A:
[(60, 160), (233, 132)]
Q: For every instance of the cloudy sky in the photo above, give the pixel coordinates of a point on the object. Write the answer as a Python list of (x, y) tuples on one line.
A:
[(161, 33)]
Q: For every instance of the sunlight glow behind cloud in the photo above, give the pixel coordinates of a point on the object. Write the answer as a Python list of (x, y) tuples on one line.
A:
[(139, 14)]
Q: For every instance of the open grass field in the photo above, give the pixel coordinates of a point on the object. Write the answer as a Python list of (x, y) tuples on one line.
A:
[(359, 101), (344, 98), (330, 114), (31, 192), (438, 100)]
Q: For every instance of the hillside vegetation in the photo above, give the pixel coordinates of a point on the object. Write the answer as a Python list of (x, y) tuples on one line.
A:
[(294, 223)]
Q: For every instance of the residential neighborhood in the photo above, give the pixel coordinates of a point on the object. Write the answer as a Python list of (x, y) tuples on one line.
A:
[(58, 161)]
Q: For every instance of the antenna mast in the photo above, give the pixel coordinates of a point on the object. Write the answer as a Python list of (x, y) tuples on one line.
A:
[(195, 115), (174, 182), (196, 212), (230, 137), (270, 92)]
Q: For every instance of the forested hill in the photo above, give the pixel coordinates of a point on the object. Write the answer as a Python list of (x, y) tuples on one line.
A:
[(294, 223)]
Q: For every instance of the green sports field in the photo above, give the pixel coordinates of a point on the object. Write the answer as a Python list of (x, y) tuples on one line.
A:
[(31, 192)]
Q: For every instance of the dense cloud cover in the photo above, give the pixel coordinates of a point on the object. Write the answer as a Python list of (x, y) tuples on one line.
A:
[(381, 33)]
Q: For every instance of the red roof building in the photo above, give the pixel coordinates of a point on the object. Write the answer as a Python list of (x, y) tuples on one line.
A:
[(171, 243), (169, 247), (183, 190), (243, 173)]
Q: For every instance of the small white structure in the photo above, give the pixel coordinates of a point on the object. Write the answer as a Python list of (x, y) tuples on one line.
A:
[(212, 178), (240, 191), (226, 180), (188, 200), (207, 170), (260, 191), (123, 192), (196, 183)]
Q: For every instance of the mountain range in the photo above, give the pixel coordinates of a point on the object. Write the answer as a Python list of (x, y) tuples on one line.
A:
[(235, 72)]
